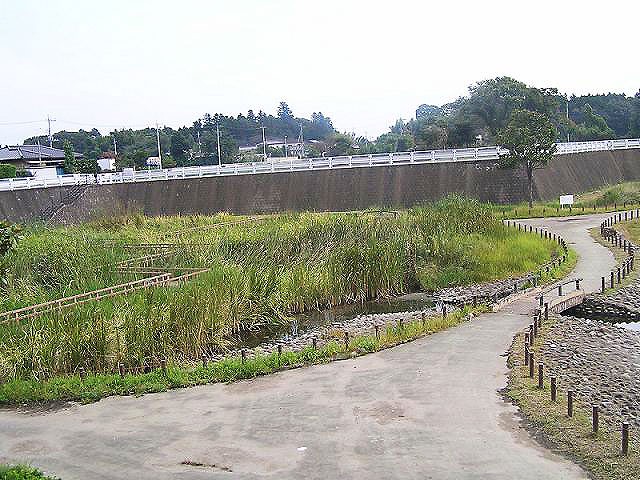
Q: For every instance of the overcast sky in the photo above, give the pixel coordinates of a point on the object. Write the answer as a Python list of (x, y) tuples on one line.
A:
[(122, 63)]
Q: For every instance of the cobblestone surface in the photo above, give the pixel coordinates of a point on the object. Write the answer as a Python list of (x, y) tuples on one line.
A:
[(599, 361)]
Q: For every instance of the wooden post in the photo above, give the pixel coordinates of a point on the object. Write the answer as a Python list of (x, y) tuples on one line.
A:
[(569, 403), (346, 340), (540, 375), (163, 365), (377, 329), (554, 391), (204, 360), (531, 365), (546, 312), (603, 286), (595, 418), (531, 334), (625, 438)]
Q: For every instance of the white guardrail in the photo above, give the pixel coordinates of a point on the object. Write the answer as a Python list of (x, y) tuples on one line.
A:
[(296, 164)]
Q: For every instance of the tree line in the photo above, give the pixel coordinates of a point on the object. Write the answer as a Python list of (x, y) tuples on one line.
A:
[(472, 120)]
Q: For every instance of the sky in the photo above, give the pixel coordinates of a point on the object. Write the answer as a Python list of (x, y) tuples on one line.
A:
[(118, 63)]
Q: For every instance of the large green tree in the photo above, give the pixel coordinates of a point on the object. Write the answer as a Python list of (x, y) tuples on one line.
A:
[(531, 140)]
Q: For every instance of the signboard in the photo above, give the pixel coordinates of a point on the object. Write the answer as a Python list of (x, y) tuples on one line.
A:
[(154, 162), (566, 200)]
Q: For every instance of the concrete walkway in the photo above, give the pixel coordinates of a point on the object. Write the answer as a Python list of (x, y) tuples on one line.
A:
[(430, 409)]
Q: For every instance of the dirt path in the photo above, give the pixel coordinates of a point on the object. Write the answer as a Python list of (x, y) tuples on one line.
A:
[(427, 409)]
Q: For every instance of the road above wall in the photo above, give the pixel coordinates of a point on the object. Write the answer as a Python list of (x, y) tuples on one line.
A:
[(395, 186)]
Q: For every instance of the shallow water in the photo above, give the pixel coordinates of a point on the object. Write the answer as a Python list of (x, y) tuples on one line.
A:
[(318, 319), (630, 326)]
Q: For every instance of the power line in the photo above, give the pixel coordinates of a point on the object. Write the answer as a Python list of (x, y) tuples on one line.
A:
[(23, 123)]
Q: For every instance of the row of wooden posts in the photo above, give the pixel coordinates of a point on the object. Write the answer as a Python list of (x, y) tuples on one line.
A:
[(583, 207), (243, 352), (617, 240), (529, 360)]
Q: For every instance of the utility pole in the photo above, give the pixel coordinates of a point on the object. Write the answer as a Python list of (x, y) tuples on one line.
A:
[(285, 147), (49, 120), (158, 140), (264, 145), (218, 142), (301, 141), (567, 118), (39, 151)]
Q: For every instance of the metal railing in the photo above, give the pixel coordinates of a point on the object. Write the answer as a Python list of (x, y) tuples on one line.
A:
[(307, 164)]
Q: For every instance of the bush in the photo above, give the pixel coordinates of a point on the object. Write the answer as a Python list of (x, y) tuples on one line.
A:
[(7, 170), (21, 472)]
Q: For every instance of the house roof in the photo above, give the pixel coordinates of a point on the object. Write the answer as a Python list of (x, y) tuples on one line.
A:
[(31, 152)]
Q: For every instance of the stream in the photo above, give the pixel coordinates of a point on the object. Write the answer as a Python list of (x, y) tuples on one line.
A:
[(309, 324)]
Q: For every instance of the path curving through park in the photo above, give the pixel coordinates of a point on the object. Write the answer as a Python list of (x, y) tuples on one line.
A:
[(429, 409)]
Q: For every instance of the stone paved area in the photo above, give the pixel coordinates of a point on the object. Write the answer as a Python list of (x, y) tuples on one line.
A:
[(599, 361)]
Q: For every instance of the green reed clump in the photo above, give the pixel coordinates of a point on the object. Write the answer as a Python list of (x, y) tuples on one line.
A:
[(261, 273), (96, 386)]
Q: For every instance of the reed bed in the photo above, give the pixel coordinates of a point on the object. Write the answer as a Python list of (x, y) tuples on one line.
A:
[(262, 272)]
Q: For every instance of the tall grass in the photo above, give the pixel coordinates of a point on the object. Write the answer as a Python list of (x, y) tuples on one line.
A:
[(261, 273)]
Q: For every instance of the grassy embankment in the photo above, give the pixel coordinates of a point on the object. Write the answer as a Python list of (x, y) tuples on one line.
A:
[(261, 274), (606, 199), (600, 453)]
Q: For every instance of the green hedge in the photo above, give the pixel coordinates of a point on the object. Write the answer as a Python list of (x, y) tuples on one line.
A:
[(7, 170)]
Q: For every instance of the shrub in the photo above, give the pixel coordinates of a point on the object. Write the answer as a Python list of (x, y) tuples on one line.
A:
[(7, 170)]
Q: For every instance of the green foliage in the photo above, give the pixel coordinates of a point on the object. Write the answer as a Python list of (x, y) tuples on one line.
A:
[(261, 273), (530, 138), (69, 158), (135, 146), (229, 369), (488, 108), (7, 170), (9, 236), (21, 472), (593, 127)]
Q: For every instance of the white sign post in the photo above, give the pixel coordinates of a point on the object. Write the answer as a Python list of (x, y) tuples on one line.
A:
[(566, 200)]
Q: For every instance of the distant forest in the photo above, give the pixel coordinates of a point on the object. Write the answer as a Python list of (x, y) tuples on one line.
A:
[(472, 120)]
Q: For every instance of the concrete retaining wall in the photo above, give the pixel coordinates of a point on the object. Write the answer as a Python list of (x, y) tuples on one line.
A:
[(345, 189)]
